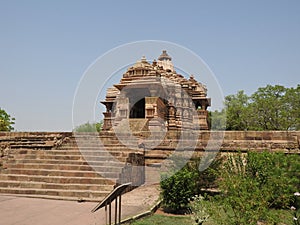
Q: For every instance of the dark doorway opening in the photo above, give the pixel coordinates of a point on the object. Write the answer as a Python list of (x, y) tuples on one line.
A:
[(138, 109)]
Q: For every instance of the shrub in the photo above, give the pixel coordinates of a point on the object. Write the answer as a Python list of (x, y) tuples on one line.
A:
[(198, 207), (251, 184), (276, 175), (178, 189), (296, 210)]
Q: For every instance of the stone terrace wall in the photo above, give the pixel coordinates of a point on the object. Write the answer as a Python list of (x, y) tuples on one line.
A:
[(288, 141), (243, 140), (233, 140)]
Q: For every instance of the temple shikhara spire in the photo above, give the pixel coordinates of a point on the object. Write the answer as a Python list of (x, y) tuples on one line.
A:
[(165, 61), (154, 96)]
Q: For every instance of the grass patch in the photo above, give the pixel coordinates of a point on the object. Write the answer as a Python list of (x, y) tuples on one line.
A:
[(284, 218), (156, 219), (164, 220)]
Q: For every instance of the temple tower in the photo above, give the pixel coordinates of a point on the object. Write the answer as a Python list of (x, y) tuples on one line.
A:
[(153, 95)]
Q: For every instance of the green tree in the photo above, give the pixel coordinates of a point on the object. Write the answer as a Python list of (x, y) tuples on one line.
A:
[(269, 108), (89, 127), (218, 119), (292, 108), (238, 111), (6, 121)]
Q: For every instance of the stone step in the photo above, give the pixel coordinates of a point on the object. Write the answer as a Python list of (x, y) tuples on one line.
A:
[(70, 157), (92, 160), (116, 148), (47, 156), (64, 198), (92, 142), (156, 156), (71, 162), (44, 185), (84, 167), (57, 179), (105, 159), (72, 152), (42, 147), (99, 146), (95, 141), (63, 167), (41, 152), (117, 152), (76, 194), (105, 153), (64, 173), (151, 161)]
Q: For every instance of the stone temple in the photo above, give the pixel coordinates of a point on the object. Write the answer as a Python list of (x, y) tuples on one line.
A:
[(153, 96)]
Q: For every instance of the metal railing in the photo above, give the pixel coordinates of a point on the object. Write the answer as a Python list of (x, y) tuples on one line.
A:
[(115, 195)]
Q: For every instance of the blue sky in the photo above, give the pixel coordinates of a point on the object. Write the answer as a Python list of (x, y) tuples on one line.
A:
[(45, 46)]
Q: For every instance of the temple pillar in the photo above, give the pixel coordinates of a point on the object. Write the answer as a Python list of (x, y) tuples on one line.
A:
[(155, 112), (107, 121)]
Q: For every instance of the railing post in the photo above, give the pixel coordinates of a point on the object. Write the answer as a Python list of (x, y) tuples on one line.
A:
[(119, 209), (114, 195), (109, 215), (116, 207)]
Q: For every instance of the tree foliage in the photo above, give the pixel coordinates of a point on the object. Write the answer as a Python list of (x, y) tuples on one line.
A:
[(269, 108), (218, 119), (6, 121), (237, 109), (89, 127)]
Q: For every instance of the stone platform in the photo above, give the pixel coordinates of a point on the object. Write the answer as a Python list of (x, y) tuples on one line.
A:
[(52, 165)]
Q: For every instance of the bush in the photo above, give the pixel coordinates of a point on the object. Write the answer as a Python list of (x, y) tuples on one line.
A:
[(254, 183), (198, 207), (296, 210), (277, 176), (178, 189)]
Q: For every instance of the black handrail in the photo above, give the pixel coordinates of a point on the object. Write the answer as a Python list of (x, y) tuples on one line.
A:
[(114, 195)]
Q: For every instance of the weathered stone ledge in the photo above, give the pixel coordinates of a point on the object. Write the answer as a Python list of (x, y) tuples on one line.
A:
[(231, 140)]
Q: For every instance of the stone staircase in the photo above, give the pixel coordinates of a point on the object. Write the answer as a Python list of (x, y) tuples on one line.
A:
[(76, 169), (133, 126), (87, 166)]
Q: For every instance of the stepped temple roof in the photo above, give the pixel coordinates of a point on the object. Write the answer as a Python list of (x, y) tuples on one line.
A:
[(156, 85)]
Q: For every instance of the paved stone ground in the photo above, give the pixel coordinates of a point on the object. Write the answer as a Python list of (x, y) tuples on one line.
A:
[(32, 211)]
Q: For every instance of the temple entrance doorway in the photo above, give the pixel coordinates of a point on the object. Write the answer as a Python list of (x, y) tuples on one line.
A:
[(137, 102), (138, 109)]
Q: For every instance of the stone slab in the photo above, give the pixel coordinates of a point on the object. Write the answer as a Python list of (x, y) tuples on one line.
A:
[(30, 211)]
